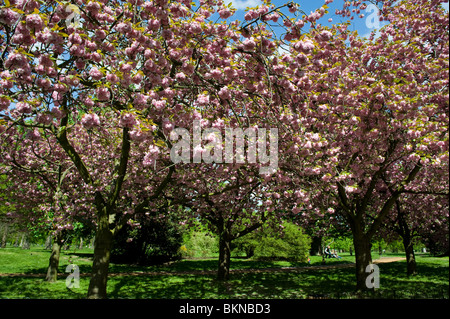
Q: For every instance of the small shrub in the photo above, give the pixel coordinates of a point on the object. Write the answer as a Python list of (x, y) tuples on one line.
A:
[(200, 244)]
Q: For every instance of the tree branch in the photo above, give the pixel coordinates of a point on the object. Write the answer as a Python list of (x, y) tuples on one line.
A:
[(122, 168), (391, 201)]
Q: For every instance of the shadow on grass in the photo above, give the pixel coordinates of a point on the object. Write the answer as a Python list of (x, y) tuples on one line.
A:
[(37, 288), (272, 285), (431, 282), (329, 283)]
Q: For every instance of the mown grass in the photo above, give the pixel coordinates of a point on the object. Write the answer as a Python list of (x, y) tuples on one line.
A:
[(431, 282)]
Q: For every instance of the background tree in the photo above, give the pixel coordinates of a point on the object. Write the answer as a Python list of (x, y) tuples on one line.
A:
[(269, 243), (232, 202), (421, 209), (373, 111)]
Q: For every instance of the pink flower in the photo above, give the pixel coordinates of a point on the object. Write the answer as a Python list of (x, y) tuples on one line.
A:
[(112, 78), (93, 7), (249, 45), (151, 156), (126, 68), (128, 120), (251, 15), (75, 38), (219, 123), (304, 46), (24, 107), (34, 135), (224, 93), (101, 34), (57, 113), (196, 27), (15, 61), (34, 22), (140, 99), (180, 76), (88, 102), (46, 61), (292, 7), (137, 78), (137, 135), (103, 94), (159, 104), (325, 35), (44, 118), (313, 16), (123, 27), (95, 73), (216, 74), (350, 189), (203, 99), (4, 103), (8, 16), (153, 24), (90, 120), (225, 13)]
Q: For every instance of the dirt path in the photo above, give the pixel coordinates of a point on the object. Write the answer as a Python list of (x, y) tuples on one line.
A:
[(388, 260), (233, 271)]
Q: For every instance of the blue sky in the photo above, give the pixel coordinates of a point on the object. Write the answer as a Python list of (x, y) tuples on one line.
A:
[(307, 7), (362, 25)]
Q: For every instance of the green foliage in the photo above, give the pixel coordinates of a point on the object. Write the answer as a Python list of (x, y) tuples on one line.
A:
[(199, 244), (269, 243)]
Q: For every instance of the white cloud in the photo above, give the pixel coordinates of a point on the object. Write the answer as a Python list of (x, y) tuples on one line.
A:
[(242, 4)]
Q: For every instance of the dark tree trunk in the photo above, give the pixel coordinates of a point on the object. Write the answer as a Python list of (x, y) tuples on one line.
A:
[(53, 264), (224, 256), (316, 246), (405, 232), (410, 257), (363, 257), (102, 253)]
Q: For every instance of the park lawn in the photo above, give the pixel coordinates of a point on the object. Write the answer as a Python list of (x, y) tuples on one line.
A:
[(432, 281)]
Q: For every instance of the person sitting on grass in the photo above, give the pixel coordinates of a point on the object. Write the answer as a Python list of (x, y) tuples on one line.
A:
[(328, 252), (335, 255)]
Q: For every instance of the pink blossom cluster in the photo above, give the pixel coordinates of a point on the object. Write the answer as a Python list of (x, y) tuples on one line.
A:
[(128, 120), (34, 22), (103, 94), (90, 120), (305, 46), (151, 156), (4, 103), (8, 16), (24, 107), (203, 99)]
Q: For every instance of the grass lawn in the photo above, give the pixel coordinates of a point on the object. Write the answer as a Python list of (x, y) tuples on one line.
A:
[(431, 282)]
